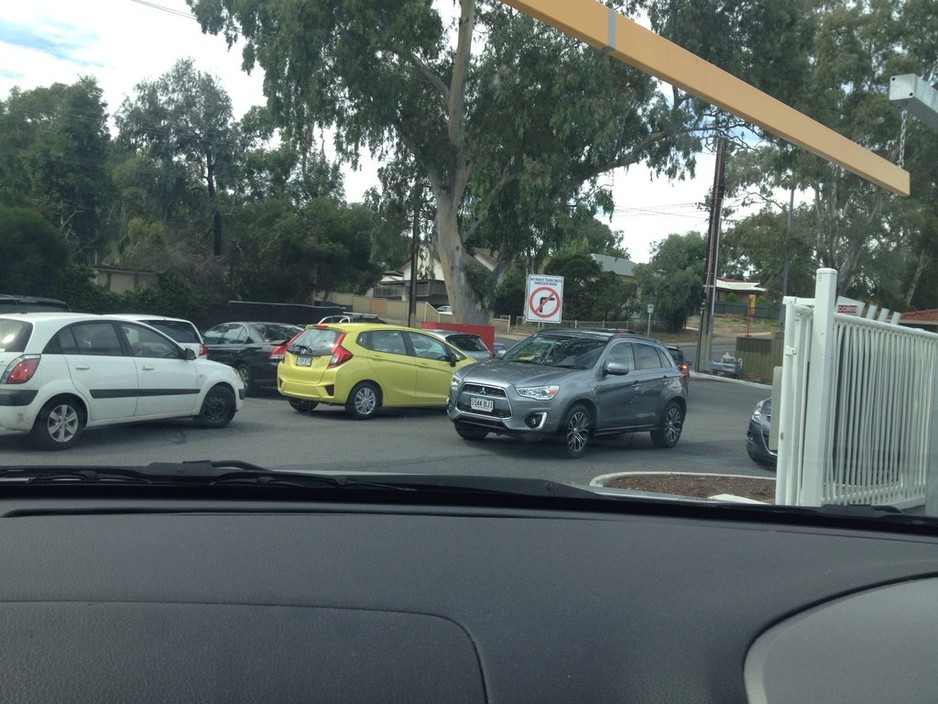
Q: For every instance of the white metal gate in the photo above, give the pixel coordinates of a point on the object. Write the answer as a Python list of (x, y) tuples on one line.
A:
[(855, 406)]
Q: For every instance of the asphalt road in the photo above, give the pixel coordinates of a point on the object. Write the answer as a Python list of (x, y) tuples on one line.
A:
[(270, 433)]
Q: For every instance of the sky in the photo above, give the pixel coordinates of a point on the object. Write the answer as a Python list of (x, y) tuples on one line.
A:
[(124, 42)]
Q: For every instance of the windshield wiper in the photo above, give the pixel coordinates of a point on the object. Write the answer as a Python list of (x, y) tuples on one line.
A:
[(205, 473), (201, 472)]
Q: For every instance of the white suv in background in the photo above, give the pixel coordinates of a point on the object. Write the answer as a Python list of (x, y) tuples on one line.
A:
[(63, 372), (185, 333)]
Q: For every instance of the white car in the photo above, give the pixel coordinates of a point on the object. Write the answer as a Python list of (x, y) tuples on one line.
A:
[(184, 332), (63, 372)]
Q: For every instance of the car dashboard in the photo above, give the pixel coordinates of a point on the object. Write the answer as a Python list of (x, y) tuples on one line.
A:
[(254, 596)]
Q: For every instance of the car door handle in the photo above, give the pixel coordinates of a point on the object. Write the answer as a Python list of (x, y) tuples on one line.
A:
[(147, 368), (82, 367)]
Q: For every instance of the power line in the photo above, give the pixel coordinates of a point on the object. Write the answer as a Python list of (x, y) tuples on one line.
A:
[(155, 6)]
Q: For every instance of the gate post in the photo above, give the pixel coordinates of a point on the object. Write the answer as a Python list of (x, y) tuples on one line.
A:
[(817, 427)]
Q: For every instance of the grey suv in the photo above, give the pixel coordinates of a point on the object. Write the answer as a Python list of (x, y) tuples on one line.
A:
[(570, 385)]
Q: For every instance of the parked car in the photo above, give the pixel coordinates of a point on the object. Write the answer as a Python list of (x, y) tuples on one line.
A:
[(184, 332), (571, 385), (445, 310), (468, 342), (249, 347), (10, 303), (677, 354), (64, 372), (368, 367), (352, 318), (757, 435)]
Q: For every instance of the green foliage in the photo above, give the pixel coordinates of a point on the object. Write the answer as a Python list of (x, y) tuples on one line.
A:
[(755, 249), (54, 145), (509, 123), (36, 252), (674, 278), (880, 245), (173, 297), (284, 254), (183, 123), (590, 293), (76, 287)]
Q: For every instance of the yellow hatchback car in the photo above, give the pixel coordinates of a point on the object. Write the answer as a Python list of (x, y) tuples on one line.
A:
[(365, 367)]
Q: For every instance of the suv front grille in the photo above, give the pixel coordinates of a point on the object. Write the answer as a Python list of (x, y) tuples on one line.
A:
[(483, 390)]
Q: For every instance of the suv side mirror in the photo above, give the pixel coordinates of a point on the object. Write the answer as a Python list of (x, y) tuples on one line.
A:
[(615, 369)]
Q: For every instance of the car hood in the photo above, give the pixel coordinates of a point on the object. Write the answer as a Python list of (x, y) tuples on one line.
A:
[(501, 373)]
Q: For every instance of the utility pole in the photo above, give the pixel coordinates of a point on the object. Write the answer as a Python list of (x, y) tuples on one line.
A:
[(705, 333), (414, 248)]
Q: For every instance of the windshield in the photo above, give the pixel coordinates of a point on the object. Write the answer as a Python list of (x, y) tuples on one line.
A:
[(557, 351), (250, 169)]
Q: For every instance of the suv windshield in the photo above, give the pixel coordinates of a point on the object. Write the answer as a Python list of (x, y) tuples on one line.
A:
[(557, 351)]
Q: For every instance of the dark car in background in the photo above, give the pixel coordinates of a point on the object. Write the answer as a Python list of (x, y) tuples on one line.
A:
[(571, 385), (757, 436), (251, 348), (677, 354), (10, 303)]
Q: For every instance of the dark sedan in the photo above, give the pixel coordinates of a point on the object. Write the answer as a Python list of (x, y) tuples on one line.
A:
[(250, 348), (757, 437)]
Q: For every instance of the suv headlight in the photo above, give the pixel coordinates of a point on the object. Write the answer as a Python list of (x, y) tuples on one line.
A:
[(757, 412), (539, 393)]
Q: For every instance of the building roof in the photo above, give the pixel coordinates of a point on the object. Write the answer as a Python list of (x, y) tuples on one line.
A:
[(737, 286), (929, 317)]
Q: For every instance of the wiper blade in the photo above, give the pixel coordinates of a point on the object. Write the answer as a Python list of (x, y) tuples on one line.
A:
[(197, 473), (205, 473)]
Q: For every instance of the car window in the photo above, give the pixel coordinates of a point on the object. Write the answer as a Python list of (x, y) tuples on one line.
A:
[(470, 343), (388, 341), (97, 339), (14, 334), (666, 359), (275, 333), (179, 330), (571, 352), (146, 343), (646, 357), (621, 353), (427, 347), (315, 342), (228, 334)]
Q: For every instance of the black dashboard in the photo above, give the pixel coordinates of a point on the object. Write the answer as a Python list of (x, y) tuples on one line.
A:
[(189, 598)]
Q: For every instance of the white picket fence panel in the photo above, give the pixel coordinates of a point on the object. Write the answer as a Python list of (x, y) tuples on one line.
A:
[(855, 406)]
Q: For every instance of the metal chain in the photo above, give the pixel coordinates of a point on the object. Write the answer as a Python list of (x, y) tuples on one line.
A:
[(902, 134)]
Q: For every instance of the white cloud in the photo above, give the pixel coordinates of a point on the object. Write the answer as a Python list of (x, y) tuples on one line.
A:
[(124, 42)]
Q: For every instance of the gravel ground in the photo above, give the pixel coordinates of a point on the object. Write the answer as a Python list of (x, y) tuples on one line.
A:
[(698, 485)]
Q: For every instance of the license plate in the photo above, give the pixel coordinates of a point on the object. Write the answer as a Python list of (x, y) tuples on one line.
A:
[(304, 361), (485, 405)]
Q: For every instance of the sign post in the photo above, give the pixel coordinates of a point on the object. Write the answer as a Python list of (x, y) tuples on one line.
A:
[(651, 309), (543, 300)]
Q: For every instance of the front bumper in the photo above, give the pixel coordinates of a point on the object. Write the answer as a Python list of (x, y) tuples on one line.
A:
[(757, 445), (510, 414)]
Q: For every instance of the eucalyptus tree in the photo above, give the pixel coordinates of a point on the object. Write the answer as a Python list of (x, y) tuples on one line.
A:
[(509, 122), (881, 245), (182, 123), (54, 158), (674, 278)]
